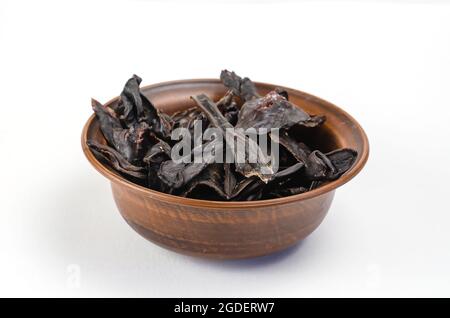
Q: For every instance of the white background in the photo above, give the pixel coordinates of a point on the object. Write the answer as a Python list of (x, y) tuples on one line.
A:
[(388, 231)]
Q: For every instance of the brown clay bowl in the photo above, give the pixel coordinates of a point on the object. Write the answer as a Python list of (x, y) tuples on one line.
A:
[(229, 230)]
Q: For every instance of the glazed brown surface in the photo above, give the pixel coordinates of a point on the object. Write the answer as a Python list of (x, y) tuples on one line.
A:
[(230, 229)]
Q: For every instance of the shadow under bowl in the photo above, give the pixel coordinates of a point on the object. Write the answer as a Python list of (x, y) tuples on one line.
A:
[(228, 230)]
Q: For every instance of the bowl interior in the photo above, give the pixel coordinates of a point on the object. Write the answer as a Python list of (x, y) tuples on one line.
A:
[(339, 131)]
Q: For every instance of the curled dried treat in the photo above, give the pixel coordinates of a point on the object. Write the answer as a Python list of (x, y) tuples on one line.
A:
[(342, 160), (134, 107), (211, 178)]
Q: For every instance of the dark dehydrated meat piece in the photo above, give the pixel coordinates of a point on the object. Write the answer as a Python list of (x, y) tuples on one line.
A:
[(246, 187), (158, 153), (242, 87), (332, 165), (226, 100), (130, 107), (212, 112), (261, 169), (211, 177), (314, 168), (315, 184), (272, 111), (288, 171), (318, 166), (298, 149), (314, 121), (231, 114), (187, 118), (134, 107), (342, 160), (108, 120), (315, 162), (116, 160), (176, 175), (130, 142), (253, 185), (229, 182), (229, 108)]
